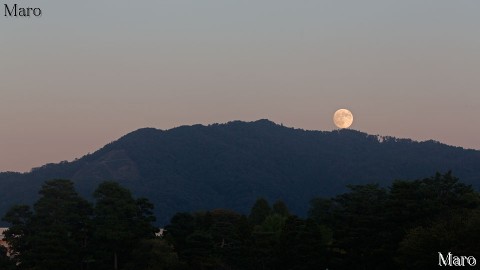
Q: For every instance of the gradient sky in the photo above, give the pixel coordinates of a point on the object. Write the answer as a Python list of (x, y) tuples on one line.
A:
[(88, 72)]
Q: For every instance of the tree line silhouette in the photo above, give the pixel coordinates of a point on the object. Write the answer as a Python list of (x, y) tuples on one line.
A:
[(403, 226)]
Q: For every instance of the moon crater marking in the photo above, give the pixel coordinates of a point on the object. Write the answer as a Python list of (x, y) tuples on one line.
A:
[(343, 118)]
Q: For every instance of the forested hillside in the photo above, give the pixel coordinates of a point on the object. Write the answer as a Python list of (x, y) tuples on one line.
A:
[(192, 168)]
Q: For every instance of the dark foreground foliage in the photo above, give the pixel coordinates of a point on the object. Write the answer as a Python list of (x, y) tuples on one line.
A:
[(369, 227), (64, 231)]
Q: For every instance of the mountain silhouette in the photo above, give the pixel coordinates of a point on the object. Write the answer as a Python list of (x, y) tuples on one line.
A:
[(230, 165)]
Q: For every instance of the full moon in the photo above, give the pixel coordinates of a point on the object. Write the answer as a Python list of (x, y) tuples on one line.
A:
[(343, 118)]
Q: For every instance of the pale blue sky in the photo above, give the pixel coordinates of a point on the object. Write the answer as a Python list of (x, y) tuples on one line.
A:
[(87, 72)]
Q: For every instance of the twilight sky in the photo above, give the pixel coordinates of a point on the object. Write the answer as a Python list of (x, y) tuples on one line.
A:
[(88, 72)]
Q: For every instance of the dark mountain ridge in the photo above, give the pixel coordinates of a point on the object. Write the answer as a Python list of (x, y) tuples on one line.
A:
[(230, 165)]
